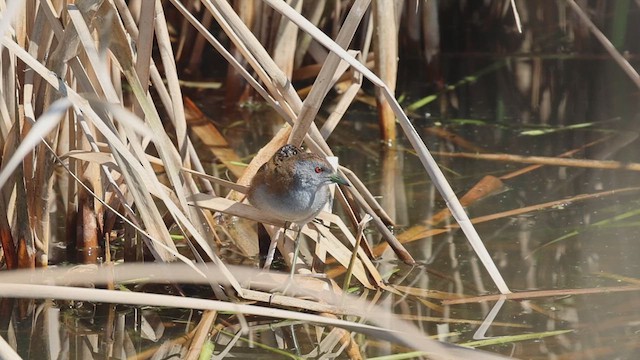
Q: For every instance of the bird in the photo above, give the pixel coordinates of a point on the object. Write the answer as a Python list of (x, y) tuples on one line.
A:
[(293, 186)]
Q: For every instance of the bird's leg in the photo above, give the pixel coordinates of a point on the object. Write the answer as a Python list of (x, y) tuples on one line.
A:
[(272, 247), (294, 260), (295, 254)]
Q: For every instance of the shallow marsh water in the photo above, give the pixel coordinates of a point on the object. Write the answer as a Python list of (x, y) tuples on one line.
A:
[(591, 243)]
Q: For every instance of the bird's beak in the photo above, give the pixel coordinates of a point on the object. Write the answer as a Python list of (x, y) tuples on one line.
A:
[(339, 180)]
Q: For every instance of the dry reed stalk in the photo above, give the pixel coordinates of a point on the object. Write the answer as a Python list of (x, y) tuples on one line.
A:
[(8, 351), (6, 239), (346, 99), (276, 81), (338, 335), (40, 185), (229, 57), (201, 335), (84, 53), (106, 158), (546, 160), (313, 10), (170, 158), (185, 34), (144, 47), (286, 39), (238, 89), (386, 52), (150, 215), (325, 79), (171, 73), (158, 83), (185, 147), (256, 55), (196, 56), (87, 231)]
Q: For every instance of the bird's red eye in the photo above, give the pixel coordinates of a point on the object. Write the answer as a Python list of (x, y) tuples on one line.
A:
[(318, 169)]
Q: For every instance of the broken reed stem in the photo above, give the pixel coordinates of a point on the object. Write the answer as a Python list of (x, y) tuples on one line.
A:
[(545, 160)]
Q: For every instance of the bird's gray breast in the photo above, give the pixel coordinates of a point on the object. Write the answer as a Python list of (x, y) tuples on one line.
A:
[(298, 206)]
